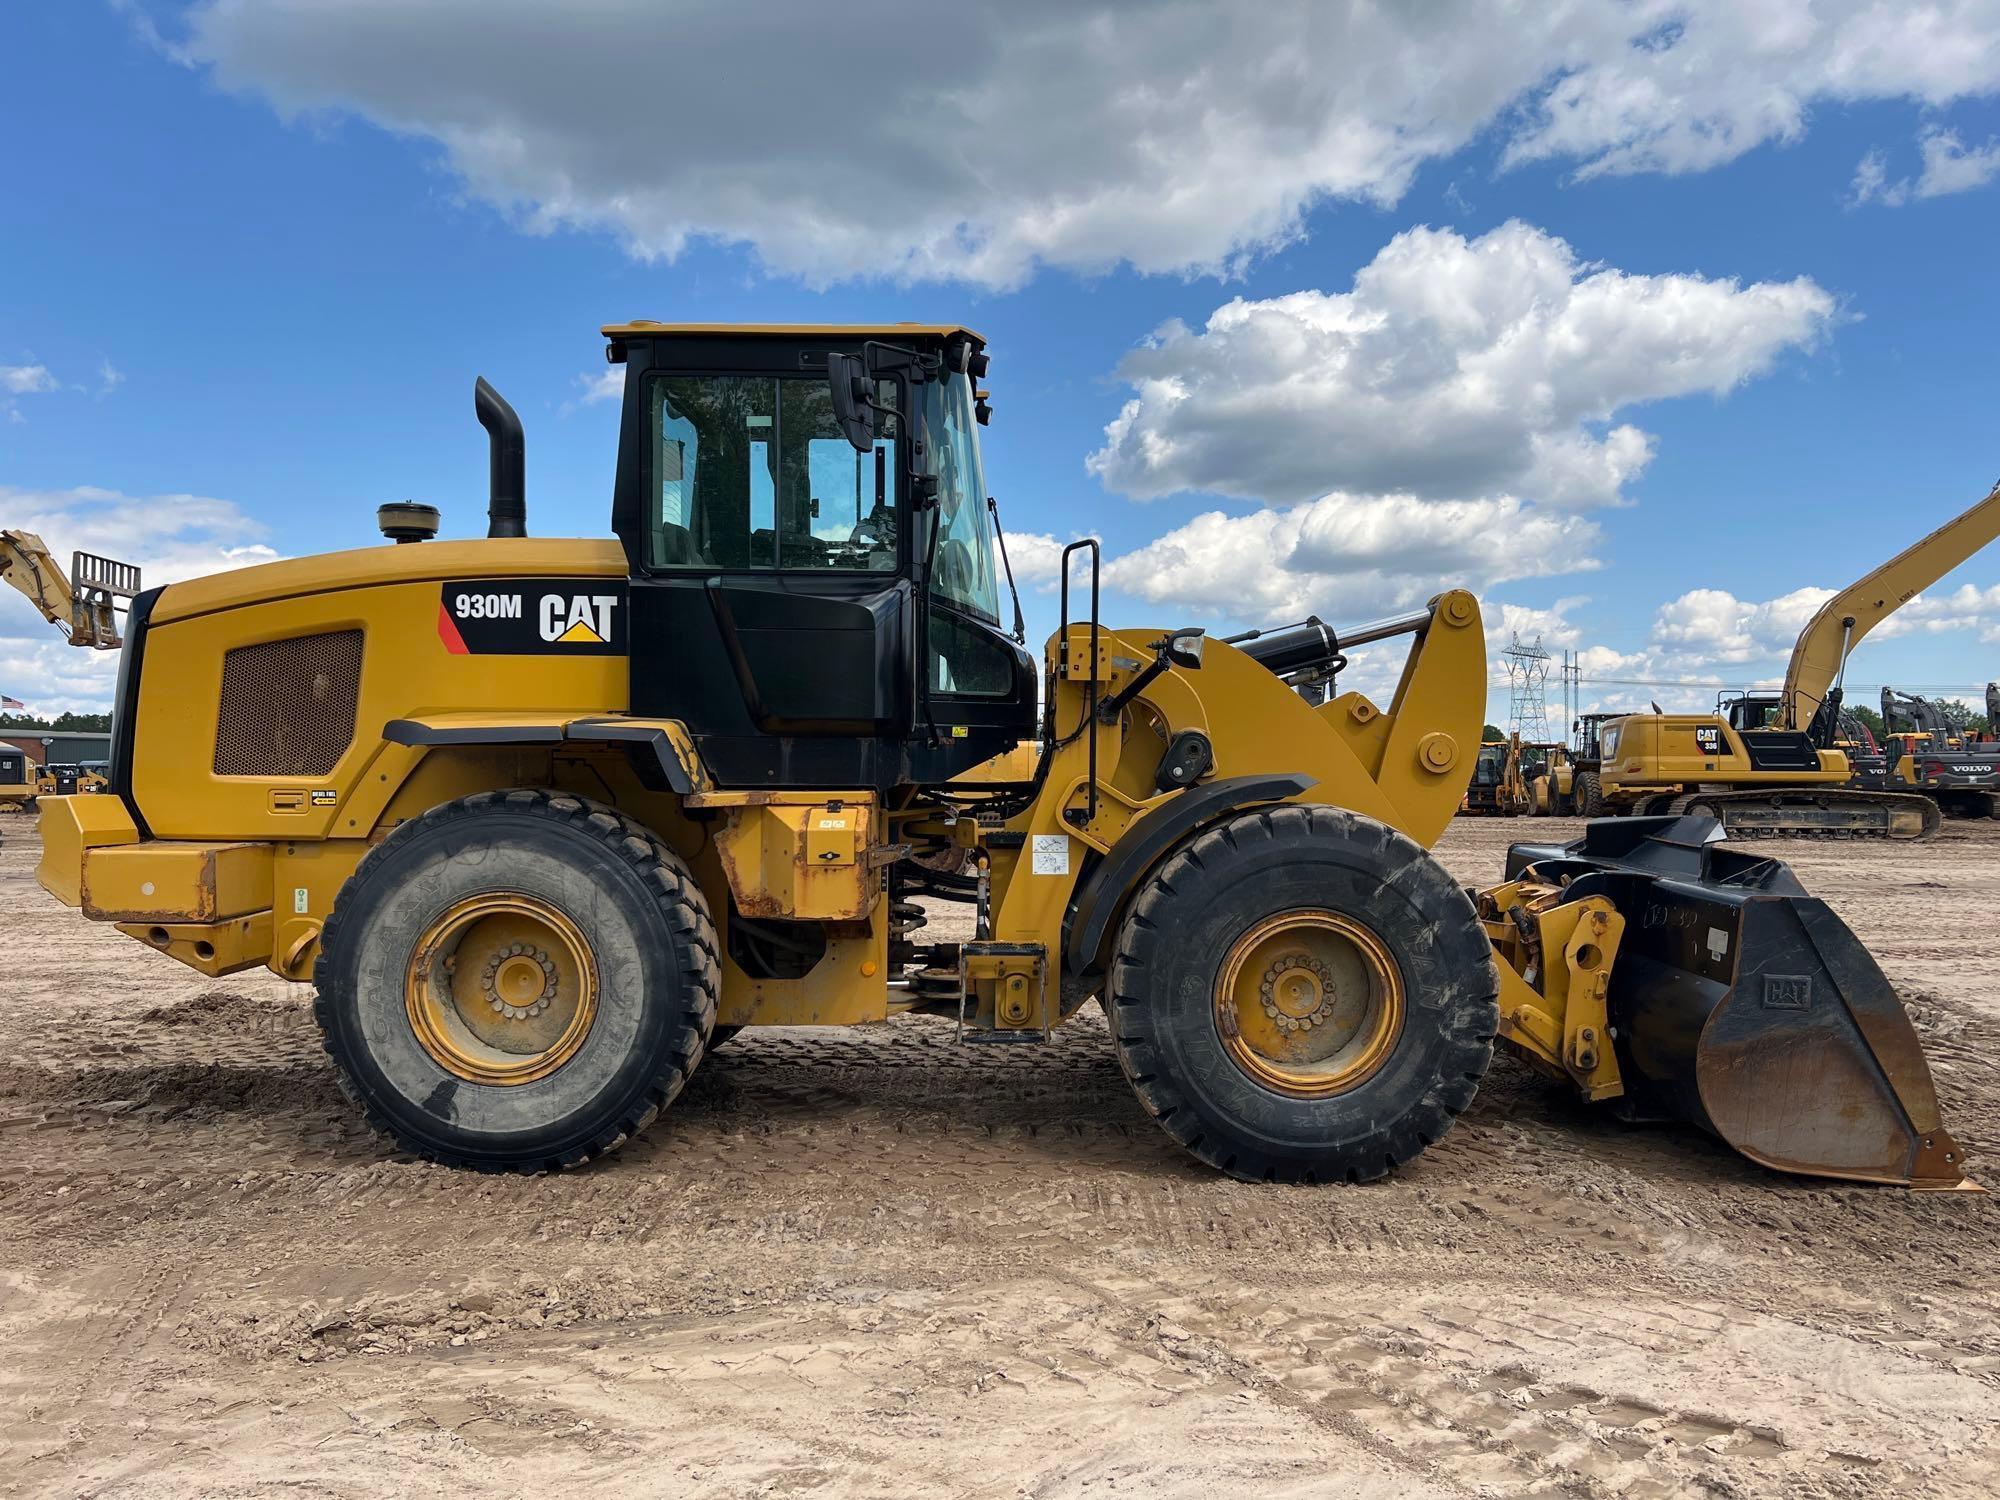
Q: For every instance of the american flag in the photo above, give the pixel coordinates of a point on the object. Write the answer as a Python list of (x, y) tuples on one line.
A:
[(6, 702)]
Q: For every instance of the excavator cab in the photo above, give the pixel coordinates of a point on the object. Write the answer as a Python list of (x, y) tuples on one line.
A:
[(1747, 711)]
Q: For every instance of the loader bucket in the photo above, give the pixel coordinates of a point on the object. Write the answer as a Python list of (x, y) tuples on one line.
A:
[(1741, 1004)]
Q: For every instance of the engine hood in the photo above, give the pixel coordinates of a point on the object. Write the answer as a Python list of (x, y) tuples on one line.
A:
[(369, 567)]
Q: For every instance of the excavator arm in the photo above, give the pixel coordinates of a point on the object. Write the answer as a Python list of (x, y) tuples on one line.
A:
[(1824, 645), (86, 610), (1921, 714)]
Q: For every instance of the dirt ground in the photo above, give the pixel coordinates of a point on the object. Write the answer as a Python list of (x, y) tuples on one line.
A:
[(868, 1262)]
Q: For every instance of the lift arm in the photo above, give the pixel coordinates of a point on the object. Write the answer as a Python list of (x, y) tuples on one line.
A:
[(87, 611), (1832, 634)]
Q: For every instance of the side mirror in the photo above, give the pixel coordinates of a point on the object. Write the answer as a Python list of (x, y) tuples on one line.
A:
[(847, 377)]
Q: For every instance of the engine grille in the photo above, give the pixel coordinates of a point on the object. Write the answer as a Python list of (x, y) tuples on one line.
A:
[(288, 706)]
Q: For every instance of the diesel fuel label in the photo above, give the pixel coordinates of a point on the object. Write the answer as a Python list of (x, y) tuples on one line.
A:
[(533, 617)]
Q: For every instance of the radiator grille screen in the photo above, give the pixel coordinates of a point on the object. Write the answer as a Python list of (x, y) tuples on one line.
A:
[(288, 706)]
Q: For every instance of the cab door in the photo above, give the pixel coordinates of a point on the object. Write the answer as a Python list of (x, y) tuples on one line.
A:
[(771, 597)]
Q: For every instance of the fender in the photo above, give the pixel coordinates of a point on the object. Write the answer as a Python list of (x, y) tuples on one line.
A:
[(1118, 873), (661, 751)]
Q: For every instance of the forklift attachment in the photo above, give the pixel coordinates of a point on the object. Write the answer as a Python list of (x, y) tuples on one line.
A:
[(1741, 1004)]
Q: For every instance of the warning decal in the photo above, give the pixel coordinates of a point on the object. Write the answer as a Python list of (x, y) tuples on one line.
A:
[(533, 617)]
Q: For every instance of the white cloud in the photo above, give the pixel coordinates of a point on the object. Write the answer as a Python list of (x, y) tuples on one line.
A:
[(1700, 82), (1452, 367), (1949, 166), (1551, 626), (1036, 558), (26, 380), (171, 537), (109, 377), (593, 388), (1348, 557), (1710, 627), (53, 677), (973, 143)]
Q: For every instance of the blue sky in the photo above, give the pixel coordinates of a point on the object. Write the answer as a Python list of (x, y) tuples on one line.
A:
[(251, 258)]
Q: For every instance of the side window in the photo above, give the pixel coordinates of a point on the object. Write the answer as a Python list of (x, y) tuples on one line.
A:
[(752, 472), (965, 662), (712, 465), (839, 505)]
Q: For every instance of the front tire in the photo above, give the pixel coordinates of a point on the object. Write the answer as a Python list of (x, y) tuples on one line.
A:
[(1589, 795), (1303, 994), (517, 981)]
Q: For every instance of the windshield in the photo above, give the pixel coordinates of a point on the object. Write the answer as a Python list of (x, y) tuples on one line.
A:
[(963, 572)]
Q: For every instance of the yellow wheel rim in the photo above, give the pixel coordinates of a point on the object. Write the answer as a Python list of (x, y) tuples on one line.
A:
[(1309, 1003), (501, 989)]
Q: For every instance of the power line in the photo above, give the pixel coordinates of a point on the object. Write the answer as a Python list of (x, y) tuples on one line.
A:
[(1936, 687)]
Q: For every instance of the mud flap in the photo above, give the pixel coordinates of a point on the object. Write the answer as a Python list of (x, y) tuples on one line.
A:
[(1743, 1005)]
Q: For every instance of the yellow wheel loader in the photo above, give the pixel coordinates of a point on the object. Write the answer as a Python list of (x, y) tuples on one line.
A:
[(1769, 764), (540, 818), (1552, 781)]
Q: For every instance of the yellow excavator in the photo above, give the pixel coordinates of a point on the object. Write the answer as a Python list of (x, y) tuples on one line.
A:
[(541, 820), (1768, 764)]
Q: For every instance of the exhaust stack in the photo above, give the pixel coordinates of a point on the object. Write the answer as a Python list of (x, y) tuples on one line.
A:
[(507, 488)]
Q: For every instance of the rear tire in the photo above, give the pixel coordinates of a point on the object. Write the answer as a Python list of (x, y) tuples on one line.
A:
[(432, 1000), (1589, 795), (1305, 876)]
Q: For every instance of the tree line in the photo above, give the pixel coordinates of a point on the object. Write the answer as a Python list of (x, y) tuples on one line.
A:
[(71, 723)]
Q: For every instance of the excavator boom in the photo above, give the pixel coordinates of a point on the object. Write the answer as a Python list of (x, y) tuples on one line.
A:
[(1823, 646)]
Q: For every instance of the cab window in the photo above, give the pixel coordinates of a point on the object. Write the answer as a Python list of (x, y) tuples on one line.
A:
[(963, 571), (752, 472)]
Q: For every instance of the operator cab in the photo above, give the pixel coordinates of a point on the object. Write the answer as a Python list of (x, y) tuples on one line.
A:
[(819, 600), (1749, 710), (1584, 732)]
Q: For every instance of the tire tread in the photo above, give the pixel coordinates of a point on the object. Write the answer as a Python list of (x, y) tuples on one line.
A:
[(682, 906), (1471, 1020)]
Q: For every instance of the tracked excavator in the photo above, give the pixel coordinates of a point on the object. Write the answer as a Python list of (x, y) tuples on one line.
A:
[(1768, 764), (542, 819), (1927, 754)]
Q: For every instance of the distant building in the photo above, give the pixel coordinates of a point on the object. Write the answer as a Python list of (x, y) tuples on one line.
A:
[(63, 746)]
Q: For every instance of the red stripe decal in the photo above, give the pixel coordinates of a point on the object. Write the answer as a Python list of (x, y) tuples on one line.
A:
[(448, 632)]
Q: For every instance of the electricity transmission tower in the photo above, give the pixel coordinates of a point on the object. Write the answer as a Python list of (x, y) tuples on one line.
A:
[(1528, 689)]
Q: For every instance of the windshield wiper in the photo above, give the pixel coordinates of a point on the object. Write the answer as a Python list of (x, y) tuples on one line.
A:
[(1000, 536)]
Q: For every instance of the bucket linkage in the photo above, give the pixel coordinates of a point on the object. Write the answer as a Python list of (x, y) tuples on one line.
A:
[(1731, 999)]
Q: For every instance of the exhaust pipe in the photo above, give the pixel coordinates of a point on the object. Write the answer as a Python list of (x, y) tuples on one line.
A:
[(507, 487)]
